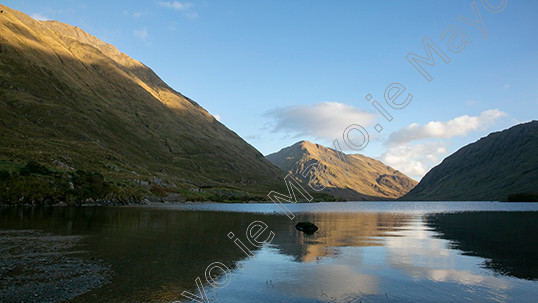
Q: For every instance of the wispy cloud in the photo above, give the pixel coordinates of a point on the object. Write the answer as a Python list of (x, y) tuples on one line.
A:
[(326, 120), (141, 33), (45, 15), (253, 137), (136, 14), (176, 5), (39, 17), (185, 7), (472, 103), (459, 126), (192, 15), (172, 26)]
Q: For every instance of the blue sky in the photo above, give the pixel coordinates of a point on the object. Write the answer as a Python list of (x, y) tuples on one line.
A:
[(277, 72)]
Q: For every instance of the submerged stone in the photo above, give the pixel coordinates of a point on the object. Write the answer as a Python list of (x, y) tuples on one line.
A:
[(308, 228)]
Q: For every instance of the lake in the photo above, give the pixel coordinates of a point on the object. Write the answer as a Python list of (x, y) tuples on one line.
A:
[(362, 252)]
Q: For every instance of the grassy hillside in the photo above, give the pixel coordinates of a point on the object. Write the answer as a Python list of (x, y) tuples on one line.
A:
[(75, 104), (493, 168), (368, 179)]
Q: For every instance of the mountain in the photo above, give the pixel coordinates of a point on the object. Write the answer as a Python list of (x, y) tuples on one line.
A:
[(368, 178), (491, 169), (70, 102)]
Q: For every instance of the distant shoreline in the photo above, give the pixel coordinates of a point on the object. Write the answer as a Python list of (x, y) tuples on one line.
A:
[(151, 204)]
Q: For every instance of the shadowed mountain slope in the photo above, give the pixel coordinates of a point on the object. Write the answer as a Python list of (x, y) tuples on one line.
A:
[(71, 101), (494, 167)]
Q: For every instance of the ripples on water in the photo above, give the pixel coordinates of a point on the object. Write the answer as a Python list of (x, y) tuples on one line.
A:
[(363, 252)]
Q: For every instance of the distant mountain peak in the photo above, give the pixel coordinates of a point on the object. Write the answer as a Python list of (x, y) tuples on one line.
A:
[(368, 179)]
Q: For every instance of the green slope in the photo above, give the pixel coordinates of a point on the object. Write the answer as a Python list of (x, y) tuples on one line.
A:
[(72, 102), (492, 168)]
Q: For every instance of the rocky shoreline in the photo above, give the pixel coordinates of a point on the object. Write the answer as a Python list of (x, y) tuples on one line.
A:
[(117, 202), (36, 266)]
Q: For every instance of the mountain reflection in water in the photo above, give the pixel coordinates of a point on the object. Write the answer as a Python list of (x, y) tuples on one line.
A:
[(379, 256)]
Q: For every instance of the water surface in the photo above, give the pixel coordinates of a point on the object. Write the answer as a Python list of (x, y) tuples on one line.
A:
[(363, 252)]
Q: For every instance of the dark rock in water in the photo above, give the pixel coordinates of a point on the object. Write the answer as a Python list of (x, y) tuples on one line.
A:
[(308, 228)]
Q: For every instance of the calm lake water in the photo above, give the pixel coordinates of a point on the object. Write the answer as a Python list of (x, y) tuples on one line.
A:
[(363, 252)]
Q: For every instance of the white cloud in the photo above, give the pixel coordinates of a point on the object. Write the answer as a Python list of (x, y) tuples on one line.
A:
[(176, 5), (326, 120), (39, 17), (141, 33), (472, 103), (459, 126), (135, 14), (172, 26), (217, 117), (192, 15), (185, 7), (414, 160)]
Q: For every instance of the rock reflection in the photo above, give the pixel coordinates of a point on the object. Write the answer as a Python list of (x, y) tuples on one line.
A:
[(338, 230)]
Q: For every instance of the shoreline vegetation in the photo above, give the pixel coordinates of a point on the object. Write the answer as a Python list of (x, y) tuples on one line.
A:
[(34, 184)]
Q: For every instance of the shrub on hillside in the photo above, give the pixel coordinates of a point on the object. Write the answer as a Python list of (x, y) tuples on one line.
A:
[(90, 184), (4, 174), (158, 191), (33, 167)]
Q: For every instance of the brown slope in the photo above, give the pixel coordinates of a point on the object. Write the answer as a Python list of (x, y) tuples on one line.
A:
[(490, 169), (69, 99), (368, 179)]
